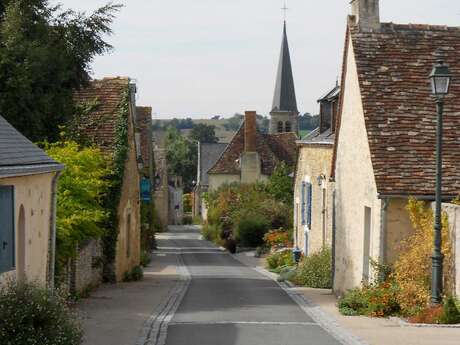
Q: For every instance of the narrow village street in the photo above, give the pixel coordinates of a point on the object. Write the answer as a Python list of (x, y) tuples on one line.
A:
[(225, 302)]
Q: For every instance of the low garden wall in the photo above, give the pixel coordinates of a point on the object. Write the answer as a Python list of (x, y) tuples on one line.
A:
[(453, 213)]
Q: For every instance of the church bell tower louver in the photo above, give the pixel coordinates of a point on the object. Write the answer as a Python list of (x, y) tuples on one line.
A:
[(284, 114)]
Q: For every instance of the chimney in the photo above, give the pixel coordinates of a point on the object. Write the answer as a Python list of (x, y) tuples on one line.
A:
[(367, 14), (250, 129)]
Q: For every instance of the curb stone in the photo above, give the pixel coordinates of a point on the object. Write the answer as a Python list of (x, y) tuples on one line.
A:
[(327, 322), (155, 329), (324, 320), (404, 323)]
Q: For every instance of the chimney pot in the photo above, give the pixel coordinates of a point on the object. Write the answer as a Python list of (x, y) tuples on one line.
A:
[(367, 14), (250, 131)]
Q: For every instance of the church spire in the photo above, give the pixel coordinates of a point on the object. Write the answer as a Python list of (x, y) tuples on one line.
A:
[(284, 99)]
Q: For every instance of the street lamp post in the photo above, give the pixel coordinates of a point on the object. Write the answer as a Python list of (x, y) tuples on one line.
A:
[(440, 83)]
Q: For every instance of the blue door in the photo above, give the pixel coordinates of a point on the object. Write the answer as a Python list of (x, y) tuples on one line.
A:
[(6, 228)]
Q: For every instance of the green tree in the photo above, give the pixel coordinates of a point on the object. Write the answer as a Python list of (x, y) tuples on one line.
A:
[(280, 184), (182, 157), (81, 189), (45, 54), (204, 133)]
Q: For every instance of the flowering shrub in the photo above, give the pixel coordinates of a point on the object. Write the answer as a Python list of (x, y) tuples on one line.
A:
[(277, 239), (406, 290), (280, 259), (233, 205), (32, 315), (412, 269), (315, 270), (375, 300)]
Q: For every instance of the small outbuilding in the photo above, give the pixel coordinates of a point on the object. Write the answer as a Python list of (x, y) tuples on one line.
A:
[(28, 183)]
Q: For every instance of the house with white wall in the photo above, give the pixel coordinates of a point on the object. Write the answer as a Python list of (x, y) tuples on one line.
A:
[(384, 148)]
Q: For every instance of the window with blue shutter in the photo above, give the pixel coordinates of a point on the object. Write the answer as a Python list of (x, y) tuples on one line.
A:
[(302, 210), (6, 228), (309, 206)]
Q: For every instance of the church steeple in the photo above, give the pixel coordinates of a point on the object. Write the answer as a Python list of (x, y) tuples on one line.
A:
[(284, 98), (284, 111)]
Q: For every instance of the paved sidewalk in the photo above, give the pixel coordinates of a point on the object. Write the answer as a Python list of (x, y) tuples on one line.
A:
[(115, 314), (374, 331)]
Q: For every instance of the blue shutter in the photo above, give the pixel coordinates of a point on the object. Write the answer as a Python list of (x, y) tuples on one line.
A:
[(302, 210), (6, 229), (309, 206)]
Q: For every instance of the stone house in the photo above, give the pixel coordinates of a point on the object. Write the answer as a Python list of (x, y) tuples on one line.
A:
[(208, 154), (252, 156), (28, 187), (385, 136), (313, 191), (113, 107)]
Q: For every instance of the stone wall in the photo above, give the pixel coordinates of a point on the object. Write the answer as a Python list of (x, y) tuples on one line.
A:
[(453, 213), (87, 267), (129, 236)]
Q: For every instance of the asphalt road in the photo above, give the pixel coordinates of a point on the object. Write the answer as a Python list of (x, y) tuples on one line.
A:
[(228, 303)]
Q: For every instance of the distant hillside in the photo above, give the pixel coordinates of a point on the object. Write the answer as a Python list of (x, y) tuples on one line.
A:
[(225, 128), (223, 131)]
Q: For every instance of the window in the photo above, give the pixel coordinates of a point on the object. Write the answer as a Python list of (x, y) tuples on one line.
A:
[(306, 203), (302, 210), (6, 228), (288, 126), (309, 204), (280, 127)]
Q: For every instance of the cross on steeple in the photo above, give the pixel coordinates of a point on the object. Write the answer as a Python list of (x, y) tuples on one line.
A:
[(285, 9)]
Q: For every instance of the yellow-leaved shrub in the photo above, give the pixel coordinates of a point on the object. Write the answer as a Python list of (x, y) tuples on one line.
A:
[(412, 270)]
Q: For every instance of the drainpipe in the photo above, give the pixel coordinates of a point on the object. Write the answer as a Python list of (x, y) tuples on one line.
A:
[(53, 230), (334, 229), (383, 230)]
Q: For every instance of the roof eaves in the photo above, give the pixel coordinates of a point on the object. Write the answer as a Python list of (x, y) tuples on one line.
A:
[(25, 170)]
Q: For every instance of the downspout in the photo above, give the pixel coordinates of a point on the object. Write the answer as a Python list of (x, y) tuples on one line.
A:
[(53, 212), (383, 231), (334, 229)]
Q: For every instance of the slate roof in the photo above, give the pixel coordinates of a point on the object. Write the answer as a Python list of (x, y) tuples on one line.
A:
[(331, 94), (315, 137), (19, 156), (209, 154), (144, 122), (284, 98), (393, 65), (100, 125), (272, 148)]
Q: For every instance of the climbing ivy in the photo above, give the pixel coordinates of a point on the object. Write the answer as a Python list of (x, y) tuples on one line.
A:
[(113, 197)]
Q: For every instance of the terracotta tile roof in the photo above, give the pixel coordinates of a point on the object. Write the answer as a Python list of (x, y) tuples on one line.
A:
[(272, 148), (107, 93), (393, 65), (144, 123)]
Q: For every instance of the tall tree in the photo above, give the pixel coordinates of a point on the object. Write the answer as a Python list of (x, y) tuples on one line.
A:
[(45, 54), (204, 133), (182, 157)]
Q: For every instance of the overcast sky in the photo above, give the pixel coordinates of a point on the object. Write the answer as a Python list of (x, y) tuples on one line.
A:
[(201, 58)]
